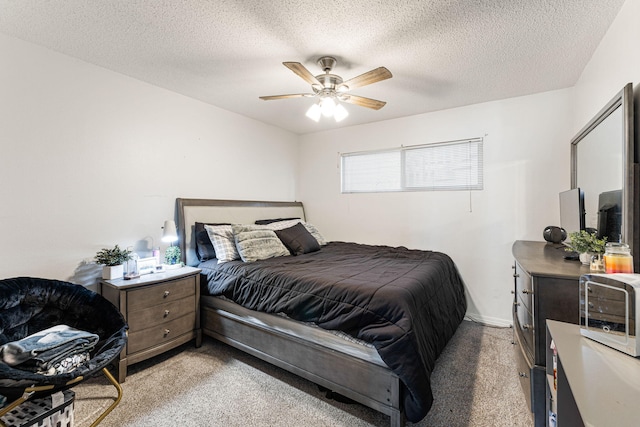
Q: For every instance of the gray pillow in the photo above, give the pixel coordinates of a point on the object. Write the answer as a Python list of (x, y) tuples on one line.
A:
[(256, 244)]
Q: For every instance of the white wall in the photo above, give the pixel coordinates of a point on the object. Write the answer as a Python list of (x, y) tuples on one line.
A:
[(92, 158), (615, 63), (526, 157)]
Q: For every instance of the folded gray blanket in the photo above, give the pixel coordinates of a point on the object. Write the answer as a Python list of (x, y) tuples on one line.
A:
[(46, 349)]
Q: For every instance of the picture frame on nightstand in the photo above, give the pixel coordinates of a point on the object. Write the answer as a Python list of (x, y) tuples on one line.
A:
[(146, 265)]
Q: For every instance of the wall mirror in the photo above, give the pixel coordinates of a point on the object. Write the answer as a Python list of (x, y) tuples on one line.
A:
[(603, 167)]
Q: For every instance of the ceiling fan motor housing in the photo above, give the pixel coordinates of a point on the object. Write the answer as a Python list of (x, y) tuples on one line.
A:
[(327, 63), (329, 82)]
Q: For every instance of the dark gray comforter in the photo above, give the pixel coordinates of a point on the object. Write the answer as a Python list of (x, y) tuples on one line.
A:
[(407, 303)]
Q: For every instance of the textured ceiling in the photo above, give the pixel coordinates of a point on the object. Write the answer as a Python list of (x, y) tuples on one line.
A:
[(442, 53)]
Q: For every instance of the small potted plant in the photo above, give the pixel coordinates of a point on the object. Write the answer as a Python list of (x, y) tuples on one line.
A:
[(112, 260), (586, 244), (172, 257)]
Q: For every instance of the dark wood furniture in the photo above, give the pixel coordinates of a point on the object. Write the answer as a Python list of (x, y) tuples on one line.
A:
[(162, 310), (596, 385), (545, 287), (351, 369), (314, 354)]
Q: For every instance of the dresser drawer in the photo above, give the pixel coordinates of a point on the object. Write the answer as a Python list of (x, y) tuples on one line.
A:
[(159, 334), (524, 371), (525, 326), (149, 296), (159, 314), (524, 287)]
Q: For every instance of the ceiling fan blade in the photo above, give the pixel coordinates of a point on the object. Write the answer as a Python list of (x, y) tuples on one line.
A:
[(373, 76), (300, 70), (363, 102), (293, 95)]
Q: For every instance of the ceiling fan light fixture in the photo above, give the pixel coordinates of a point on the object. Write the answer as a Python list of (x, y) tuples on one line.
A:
[(314, 112), (327, 106), (340, 113)]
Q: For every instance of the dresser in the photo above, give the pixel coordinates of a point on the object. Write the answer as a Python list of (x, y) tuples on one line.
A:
[(161, 309), (546, 286)]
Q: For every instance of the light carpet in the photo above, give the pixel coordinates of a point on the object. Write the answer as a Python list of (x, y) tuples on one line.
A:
[(474, 382)]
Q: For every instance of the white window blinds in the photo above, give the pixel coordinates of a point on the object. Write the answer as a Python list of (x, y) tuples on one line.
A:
[(454, 165)]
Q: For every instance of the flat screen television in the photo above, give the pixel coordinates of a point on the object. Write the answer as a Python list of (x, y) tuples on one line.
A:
[(572, 210)]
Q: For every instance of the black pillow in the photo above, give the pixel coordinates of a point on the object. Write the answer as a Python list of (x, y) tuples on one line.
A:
[(298, 240), (204, 247), (269, 221)]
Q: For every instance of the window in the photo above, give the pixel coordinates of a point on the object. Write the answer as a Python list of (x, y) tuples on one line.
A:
[(454, 165)]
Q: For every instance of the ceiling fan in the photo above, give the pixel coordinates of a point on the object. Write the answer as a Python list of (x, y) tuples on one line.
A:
[(331, 88)]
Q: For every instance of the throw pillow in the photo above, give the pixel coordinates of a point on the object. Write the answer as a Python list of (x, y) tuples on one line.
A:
[(298, 239), (257, 244), (221, 237)]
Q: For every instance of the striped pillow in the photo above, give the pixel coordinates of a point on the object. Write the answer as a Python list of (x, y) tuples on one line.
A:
[(256, 244)]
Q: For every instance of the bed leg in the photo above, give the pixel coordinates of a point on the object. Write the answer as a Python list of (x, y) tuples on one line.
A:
[(397, 419), (397, 415)]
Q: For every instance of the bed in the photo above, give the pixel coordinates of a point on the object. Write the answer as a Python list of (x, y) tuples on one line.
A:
[(366, 322)]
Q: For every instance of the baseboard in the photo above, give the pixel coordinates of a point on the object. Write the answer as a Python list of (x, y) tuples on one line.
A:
[(489, 321)]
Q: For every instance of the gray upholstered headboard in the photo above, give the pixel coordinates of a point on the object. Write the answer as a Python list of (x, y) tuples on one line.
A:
[(191, 211)]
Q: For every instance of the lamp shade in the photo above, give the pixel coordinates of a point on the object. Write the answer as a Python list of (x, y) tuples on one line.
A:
[(169, 234)]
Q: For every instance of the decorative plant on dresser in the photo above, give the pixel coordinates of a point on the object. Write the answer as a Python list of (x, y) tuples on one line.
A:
[(112, 260), (586, 244)]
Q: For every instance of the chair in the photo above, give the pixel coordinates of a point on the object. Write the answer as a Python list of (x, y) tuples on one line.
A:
[(29, 305)]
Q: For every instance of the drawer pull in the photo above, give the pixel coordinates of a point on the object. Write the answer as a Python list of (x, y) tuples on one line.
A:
[(527, 291), (523, 375), (166, 313), (526, 327), (517, 304), (513, 292), (166, 293), (166, 332), (516, 275)]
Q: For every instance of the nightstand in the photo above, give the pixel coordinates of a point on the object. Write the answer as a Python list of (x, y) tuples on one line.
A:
[(162, 310)]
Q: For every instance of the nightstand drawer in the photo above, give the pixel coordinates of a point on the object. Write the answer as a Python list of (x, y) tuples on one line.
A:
[(159, 314), (149, 296), (159, 334)]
